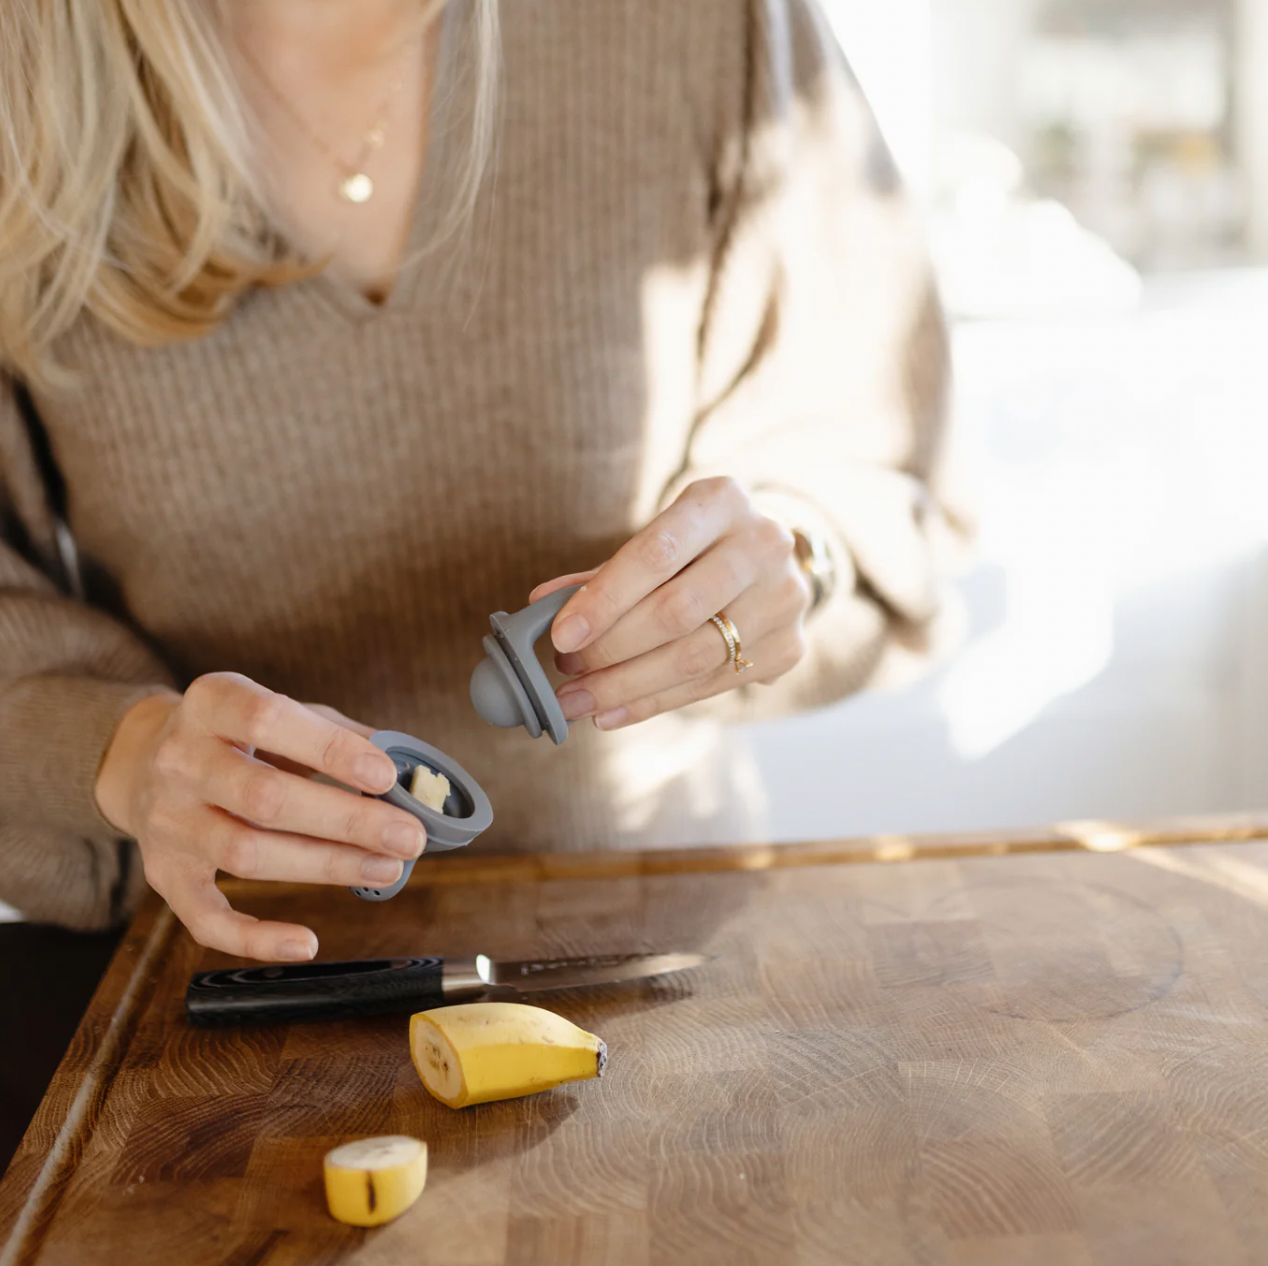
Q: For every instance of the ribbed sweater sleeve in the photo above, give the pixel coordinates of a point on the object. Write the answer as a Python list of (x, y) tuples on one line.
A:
[(68, 672), (823, 371)]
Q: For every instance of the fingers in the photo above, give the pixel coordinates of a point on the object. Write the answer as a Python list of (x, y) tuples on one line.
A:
[(235, 708), (240, 849), (267, 797), (687, 659), (676, 610), (213, 922), (771, 659), (333, 714), (562, 582), (703, 513), (207, 803)]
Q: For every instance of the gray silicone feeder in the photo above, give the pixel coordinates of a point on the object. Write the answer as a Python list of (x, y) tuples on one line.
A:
[(508, 688), (466, 811)]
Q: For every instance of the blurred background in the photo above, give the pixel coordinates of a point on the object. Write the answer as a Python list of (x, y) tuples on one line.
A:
[(1095, 179)]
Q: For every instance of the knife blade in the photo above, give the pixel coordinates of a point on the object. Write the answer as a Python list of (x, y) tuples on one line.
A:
[(531, 975), (380, 986)]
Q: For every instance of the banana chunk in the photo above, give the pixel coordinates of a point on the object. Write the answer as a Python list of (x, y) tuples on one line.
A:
[(430, 788), (372, 1181), (480, 1051)]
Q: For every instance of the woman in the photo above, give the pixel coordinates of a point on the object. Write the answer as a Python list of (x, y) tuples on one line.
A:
[(327, 333)]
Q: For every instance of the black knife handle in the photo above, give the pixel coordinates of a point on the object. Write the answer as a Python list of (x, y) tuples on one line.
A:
[(314, 991)]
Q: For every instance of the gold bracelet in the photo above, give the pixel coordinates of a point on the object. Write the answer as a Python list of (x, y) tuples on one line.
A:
[(816, 563)]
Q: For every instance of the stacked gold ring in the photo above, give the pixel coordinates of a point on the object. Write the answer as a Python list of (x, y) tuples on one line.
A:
[(726, 626)]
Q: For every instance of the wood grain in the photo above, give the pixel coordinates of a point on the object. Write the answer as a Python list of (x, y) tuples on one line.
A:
[(54, 1144), (1027, 1059)]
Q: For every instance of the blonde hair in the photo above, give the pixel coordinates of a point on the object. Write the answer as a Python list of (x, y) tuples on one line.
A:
[(126, 188)]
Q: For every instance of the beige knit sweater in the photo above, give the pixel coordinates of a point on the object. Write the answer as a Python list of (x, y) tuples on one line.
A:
[(691, 256)]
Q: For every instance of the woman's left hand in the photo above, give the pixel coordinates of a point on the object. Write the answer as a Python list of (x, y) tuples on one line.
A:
[(638, 641)]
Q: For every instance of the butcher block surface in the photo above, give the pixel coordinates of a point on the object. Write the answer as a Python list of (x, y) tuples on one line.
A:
[(1035, 1057)]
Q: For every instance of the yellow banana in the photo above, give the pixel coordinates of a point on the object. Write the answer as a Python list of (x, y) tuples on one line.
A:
[(479, 1051), (372, 1181)]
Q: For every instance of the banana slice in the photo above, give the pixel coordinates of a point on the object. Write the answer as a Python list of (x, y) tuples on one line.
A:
[(430, 788), (479, 1051), (372, 1181)]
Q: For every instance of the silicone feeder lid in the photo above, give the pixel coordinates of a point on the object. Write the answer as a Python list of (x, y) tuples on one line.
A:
[(509, 686), (467, 811)]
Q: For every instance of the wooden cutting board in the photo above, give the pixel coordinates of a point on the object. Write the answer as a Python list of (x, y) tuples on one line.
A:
[(1016, 1060)]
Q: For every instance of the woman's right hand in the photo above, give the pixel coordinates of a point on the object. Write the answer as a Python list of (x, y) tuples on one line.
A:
[(182, 777)]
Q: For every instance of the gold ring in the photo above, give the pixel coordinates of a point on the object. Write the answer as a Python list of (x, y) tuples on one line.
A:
[(731, 635)]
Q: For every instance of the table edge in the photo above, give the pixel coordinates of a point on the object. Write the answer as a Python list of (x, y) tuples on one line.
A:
[(89, 1065), (1091, 835)]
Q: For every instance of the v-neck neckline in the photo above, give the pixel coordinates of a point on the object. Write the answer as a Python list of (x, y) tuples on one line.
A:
[(444, 105)]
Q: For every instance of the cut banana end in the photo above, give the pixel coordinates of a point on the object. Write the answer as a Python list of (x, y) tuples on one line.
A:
[(480, 1051), (372, 1181)]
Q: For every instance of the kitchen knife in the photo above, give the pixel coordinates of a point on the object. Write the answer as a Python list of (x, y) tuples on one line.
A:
[(377, 986)]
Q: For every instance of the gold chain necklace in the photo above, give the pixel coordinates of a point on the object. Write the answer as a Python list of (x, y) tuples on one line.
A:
[(355, 184)]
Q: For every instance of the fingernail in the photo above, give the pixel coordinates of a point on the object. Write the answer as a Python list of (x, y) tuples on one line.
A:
[(374, 773), (404, 840), (380, 870), (612, 720), (296, 951), (576, 704), (570, 633)]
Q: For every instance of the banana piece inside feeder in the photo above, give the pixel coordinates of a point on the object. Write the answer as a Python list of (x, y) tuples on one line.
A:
[(372, 1181), (429, 788)]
